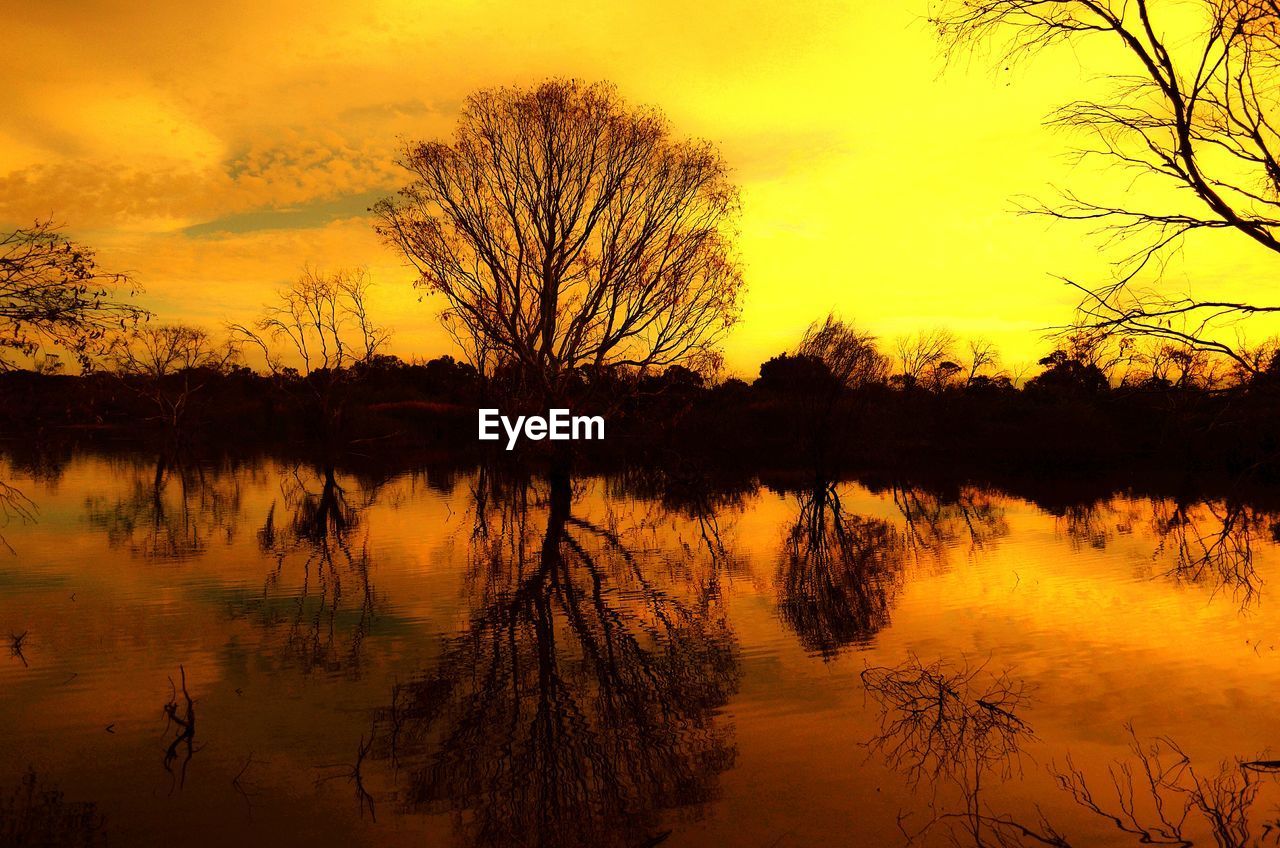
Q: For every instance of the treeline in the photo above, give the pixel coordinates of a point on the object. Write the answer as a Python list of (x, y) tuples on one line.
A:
[(836, 402)]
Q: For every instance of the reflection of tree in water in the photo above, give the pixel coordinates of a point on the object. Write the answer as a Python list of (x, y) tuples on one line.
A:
[(14, 506), (1091, 524), (37, 814), (944, 724), (1199, 542), (840, 573), (581, 699), (322, 548), (1156, 797), (950, 725), (934, 522), (32, 462), (692, 509), (171, 513), (948, 721), (1210, 544), (956, 726)]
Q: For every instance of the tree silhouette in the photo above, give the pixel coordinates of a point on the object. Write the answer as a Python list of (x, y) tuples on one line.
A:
[(168, 365), (1192, 107), (53, 292), (322, 323), (566, 231)]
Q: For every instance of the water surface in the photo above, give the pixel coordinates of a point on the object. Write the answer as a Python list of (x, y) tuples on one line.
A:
[(263, 652)]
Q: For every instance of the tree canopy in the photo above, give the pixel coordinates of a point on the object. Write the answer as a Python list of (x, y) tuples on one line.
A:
[(568, 231)]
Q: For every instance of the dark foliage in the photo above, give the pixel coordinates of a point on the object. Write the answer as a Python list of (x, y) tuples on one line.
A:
[(1068, 418)]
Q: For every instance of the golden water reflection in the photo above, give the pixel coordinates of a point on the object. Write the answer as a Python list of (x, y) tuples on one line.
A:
[(496, 658)]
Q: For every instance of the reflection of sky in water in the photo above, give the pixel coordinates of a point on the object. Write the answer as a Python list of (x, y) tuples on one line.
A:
[(690, 662)]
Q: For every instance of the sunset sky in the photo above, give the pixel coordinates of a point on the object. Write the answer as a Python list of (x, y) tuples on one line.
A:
[(214, 151)]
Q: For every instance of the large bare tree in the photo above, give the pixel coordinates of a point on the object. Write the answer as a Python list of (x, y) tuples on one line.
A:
[(52, 292), (1192, 103), (568, 231)]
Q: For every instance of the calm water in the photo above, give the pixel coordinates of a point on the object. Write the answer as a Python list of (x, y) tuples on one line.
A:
[(467, 659)]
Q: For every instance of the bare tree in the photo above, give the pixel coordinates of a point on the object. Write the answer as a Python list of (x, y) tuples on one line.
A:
[(159, 351), (321, 322), (159, 361), (983, 361), (568, 231), (53, 292), (1177, 366), (1192, 107), (926, 358)]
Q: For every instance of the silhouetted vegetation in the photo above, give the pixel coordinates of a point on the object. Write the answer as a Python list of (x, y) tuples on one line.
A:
[(570, 234), (832, 403), (36, 814), (1186, 105)]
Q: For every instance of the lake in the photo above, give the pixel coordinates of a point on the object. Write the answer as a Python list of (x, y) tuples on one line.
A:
[(259, 652)]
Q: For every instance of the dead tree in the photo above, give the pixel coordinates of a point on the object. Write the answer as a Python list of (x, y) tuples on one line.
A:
[(312, 338), (926, 359)]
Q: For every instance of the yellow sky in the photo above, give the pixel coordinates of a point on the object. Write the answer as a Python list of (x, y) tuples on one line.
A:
[(214, 151)]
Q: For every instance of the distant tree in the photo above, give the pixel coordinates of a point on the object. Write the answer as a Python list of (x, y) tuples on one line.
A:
[(321, 321), (733, 388), (568, 231), (1192, 107), (53, 292), (927, 358), (1166, 365), (983, 362), (447, 377), (850, 354), (794, 374), (1065, 374), (168, 364), (159, 351)]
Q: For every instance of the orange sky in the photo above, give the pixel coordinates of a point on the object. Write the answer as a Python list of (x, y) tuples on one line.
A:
[(214, 151)]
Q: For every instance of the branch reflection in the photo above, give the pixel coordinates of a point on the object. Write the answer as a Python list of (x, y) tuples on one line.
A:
[(172, 512), (582, 699), (1211, 543), (840, 575), (319, 555)]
